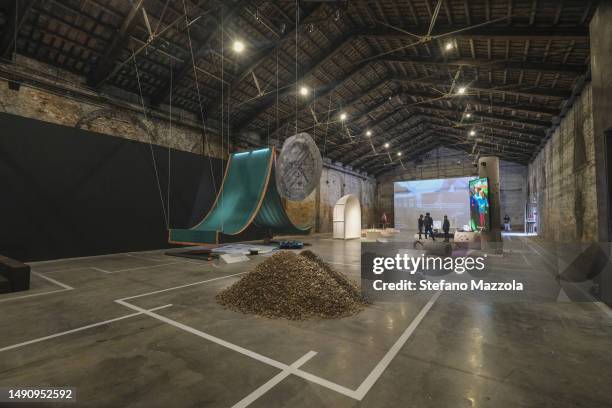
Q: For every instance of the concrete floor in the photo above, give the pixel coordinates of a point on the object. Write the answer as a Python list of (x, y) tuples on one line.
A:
[(168, 344)]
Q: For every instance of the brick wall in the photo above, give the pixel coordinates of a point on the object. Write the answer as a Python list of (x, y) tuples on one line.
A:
[(46, 98)]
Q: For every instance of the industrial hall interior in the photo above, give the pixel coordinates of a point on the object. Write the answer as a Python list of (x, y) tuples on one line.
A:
[(306, 203)]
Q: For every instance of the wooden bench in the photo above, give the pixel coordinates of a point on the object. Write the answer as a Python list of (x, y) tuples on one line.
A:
[(17, 273)]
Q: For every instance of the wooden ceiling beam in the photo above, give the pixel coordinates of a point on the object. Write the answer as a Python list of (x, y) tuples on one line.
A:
[(573, 70), (107, 63), (263, 55), (512, 89), (486, 115), (484, 33), (15, 19), (163, 93)]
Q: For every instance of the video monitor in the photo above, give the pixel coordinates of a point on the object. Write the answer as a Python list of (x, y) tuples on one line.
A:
[(439, 197), (479, 204)]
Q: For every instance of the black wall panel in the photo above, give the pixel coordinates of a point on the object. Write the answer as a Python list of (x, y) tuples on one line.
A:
[(67, 192)]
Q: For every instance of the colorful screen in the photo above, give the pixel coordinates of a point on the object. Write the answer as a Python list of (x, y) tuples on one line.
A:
[(438, 197), (479, 204)]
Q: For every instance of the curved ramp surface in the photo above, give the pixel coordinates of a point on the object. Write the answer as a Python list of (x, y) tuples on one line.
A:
[(248, 195)]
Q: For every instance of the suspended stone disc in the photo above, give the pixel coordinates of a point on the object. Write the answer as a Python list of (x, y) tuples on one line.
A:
[(298, 167)]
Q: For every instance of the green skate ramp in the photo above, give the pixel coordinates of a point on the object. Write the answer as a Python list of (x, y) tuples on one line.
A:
[(248, 196)]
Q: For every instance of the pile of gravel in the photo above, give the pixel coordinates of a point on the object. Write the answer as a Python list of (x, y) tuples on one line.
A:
[(294, 287)]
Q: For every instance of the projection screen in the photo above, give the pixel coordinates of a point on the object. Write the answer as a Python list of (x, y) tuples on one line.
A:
[(438, 197)]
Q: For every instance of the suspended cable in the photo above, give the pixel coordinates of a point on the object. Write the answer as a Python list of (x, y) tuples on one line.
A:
[(169, 140), (195, 73), (297, 19), (144, 112)]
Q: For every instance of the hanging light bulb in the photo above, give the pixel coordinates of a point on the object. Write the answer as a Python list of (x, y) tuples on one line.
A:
[(461, 90), (448, 46), (386, 145), (238, 46), (468, 115), (472, 133), (399, 153), (343, 116), (304, 91), (368, 133)]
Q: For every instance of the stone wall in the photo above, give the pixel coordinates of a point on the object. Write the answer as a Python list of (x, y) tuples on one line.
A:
[(562, 178), (448, 163), (52, 95), (335, 183)]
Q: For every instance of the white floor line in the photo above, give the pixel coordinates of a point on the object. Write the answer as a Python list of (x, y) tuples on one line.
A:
[(143, 258), (252, 397), (79, 258), (48, 292), (137, 268), (252, 354), (182, 286), (342, 263), (54, 281), (358, 394), (386, 360), (33, 295), (78, 329)]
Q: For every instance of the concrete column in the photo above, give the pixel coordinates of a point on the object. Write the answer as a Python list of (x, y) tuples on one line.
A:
[(601, 78), (488, 166)]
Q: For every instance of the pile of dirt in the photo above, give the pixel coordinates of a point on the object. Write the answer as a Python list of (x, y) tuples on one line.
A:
[(295, 287)]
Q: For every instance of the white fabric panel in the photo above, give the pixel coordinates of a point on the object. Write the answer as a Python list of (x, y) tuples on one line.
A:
[(347, 218)]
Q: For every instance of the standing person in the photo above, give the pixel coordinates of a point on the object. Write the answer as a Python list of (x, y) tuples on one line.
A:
[(506, 222), (446, 228), (384, 221), (421, 222), (428, 221)]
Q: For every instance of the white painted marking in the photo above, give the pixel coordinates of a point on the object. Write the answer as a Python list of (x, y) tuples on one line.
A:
[(252, 397), (386, 360), (78, 329), (358, 394), (137, 268), (48, 292), (143, 258), (33, 295), (256, 356), (182, 286), (342, 263), (54, 281)]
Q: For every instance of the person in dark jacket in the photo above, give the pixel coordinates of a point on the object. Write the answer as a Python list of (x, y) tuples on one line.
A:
[(506, 222), (420, 221), (428, 223), (446, 228)]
